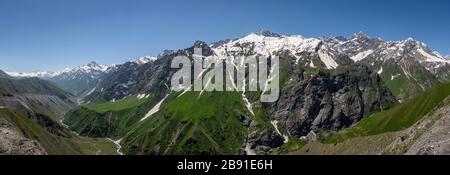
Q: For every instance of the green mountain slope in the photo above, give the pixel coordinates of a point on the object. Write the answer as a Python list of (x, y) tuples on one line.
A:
[(222, 122), (61, 143), (190, 124), (33, 106), (110, 119), (427, 136)]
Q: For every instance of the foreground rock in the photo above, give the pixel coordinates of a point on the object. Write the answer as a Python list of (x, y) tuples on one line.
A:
[(13, 142)]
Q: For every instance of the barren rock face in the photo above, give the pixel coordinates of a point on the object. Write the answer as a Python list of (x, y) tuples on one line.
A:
[(435, 141), (12, 141)]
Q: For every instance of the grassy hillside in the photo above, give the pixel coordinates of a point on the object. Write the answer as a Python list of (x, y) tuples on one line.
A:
[(110, 119), (126, 103), (189, 124), (62, 143), (34, 105), (192, 124), (397, 118)]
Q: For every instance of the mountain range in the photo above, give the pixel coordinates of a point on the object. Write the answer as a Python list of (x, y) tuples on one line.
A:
[(329, 85), (30, 113)]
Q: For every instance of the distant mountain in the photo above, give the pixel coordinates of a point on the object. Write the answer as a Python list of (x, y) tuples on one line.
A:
[(42, 74), (33, 95), (76, 80), (144, 60), (30, 111), (81, 78), (126, 79)]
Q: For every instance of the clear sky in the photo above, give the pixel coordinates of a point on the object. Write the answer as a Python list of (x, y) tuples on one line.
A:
[(54, 34)]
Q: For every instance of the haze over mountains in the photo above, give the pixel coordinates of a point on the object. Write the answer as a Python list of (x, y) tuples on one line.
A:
[(327, 84)]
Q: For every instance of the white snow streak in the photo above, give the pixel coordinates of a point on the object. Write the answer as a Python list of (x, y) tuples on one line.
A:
[(91, 91), (327, 59), (154, 109), (361, 55), (431, 58), (275, 125), (394, 76), (380, 71), (249, 150)]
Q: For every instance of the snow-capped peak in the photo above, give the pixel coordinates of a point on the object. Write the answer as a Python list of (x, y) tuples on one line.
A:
[(42, 74), (432, 56), (267, 33), (267, 44), (360, 35), (145, 59), (165, 52), (91, 67)]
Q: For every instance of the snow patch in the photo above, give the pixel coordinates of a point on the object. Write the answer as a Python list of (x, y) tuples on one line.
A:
[(141, 96), (91, 91), (185, 90), (267, 45), (327, 59), (92, 67), (432, 58), (249, 150), (394, 76), (380, 71), (361, 55), (247, 104), (145, 59), (311, 64), (275, 125), (154, 109)]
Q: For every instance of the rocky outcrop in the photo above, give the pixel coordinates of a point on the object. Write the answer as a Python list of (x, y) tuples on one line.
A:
[(429, 136), (436, 140), (261, 142), (13, 142), (329, 100)]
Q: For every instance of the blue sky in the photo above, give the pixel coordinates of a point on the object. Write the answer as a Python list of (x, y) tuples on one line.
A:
[(54, 34)]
